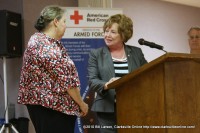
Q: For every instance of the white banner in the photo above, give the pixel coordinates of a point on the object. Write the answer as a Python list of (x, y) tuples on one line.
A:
[(87, 22)]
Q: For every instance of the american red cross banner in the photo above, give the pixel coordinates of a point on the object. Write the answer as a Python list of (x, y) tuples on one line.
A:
[(85, 32)]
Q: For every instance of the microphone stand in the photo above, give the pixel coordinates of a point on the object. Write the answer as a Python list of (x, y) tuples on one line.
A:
[(164, 50), (6, 126)]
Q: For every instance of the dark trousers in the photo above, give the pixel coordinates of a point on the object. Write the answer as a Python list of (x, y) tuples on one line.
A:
[(107, 121), (46, 120)]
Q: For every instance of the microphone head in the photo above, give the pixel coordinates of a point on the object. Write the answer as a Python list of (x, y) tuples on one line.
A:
[(141, 41)]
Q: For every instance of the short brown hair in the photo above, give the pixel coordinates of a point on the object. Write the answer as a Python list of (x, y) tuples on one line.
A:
[(125, 28)]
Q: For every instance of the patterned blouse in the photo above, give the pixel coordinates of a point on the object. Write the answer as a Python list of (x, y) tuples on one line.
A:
[(46, 75)]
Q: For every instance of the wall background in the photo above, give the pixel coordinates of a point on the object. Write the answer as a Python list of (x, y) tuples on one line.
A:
[(30, 10), (160, 22), (13, 65), (157, 21)]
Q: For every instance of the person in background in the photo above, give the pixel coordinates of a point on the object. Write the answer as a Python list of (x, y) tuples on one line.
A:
[(49, 83), (194, 40), (108, 63)]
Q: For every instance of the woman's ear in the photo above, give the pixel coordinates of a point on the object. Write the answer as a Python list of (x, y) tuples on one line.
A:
[(55, 22)]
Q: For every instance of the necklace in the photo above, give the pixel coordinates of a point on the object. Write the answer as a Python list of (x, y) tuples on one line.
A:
[(122, 59), (119, 60)]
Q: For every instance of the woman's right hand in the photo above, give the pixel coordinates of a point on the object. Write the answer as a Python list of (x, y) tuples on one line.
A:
[(110, 81), (75, 94), (84, 109)]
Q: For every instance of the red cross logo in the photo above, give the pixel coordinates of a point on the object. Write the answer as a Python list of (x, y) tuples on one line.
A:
[(76, 17)]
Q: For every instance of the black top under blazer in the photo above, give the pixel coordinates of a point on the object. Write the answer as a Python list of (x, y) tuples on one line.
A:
[(101, 70)]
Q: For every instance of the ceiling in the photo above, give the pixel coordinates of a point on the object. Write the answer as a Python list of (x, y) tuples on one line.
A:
[(195, 3)]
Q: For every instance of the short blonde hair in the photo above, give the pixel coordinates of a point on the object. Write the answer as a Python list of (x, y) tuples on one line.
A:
[(193, 28)]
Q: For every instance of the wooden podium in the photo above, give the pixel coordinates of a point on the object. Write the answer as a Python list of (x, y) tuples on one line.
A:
[(162, 96)]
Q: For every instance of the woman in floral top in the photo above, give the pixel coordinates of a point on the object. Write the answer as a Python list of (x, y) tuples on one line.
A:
[(49, 82)]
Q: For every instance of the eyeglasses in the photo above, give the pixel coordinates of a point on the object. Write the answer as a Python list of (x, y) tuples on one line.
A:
[(194, 37)]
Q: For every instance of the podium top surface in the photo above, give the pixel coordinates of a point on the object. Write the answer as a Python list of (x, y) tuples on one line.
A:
[(168, 57)]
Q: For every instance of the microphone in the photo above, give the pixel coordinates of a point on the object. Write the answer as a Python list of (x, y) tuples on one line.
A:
[(141, 41)]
